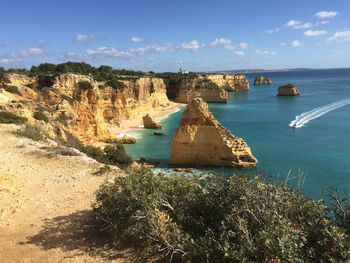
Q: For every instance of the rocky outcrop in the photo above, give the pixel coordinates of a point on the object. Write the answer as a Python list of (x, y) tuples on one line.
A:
[(85, 114), (230, 82), (288, 90), (149, 123), (200, 87), (261, 80), (201, 140)]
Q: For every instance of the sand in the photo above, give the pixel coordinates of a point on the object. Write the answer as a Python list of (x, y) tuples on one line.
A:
[(136, 123)]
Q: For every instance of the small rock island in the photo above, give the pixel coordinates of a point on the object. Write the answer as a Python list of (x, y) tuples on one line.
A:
[(261, 80), (288, 90), (149, 123), (202, 140)]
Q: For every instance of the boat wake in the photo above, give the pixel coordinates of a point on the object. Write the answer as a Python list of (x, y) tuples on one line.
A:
[(306, 117)]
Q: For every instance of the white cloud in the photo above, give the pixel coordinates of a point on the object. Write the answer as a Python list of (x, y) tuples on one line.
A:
[(31, 52), (303, 26), (239, 53), (264, 53), (292, 23), (152, 49), (221, 41), (136, 39), (192, 46), (84, 38), (106, 52), (243, 45), (294, 43), (326, 14), (324, 22), (230, 47), (6, 60), (273, 31), (315, 33), (341, 36)]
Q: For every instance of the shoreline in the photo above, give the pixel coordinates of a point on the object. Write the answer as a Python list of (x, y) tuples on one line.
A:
[(135, 122)]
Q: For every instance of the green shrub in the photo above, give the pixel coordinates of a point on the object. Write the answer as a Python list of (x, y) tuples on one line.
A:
[(115, 84), (13, 89), (8, 117), (40, 116), (217, 220), (85, 85), (62, 118), (111, 155), (32, 132)]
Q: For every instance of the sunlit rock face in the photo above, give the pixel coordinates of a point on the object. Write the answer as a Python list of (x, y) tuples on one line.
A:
[(201, 140)]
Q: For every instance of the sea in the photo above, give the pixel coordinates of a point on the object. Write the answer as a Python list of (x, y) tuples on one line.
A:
[(302, 140)]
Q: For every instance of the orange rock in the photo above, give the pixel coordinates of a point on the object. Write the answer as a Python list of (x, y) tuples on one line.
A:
[(202, 140)]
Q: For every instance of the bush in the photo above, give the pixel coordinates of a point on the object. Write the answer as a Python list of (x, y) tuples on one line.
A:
[(40, 116), (115, 84), (85, 85), (217, 220), (32, 132), (112, 154), (13, 89), (8, 117)]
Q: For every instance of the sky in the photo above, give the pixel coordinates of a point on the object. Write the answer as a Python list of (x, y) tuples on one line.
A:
[(165, 35)]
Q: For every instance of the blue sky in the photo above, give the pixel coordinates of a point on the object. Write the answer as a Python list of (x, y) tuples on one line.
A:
[(164, 35)]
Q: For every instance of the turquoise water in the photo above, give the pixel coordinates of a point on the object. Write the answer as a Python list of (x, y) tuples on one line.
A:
[(320, 150)]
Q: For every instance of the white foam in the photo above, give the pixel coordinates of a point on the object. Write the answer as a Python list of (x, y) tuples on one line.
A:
[(306, 117), (135, 135)]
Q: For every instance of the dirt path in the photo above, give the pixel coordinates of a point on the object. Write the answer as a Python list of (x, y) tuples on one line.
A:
[(45, 205)]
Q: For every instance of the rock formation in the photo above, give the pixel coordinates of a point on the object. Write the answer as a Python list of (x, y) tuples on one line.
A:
[(288, 90), (149, 123), (201, 140), (85, 114), (230, 82), (261, 80)]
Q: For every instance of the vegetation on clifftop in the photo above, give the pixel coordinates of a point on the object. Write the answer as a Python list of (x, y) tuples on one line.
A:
[(213, 219)]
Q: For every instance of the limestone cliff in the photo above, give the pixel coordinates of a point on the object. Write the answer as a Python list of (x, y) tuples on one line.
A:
[(209, 87), (84, 112), (200, 87), (231, 82), (201, 140)]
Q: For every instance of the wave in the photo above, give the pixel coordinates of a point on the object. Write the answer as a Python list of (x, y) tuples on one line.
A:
[(306, 117)]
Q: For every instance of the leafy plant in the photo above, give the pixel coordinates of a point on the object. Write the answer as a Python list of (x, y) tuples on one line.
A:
[(13, 89), (213, 219), (40, 116), (85, 85), (8, 117)]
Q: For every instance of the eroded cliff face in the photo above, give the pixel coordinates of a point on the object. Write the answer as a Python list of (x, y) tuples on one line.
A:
[(85, 114), (202, 140), (209, 87), (231, 82)]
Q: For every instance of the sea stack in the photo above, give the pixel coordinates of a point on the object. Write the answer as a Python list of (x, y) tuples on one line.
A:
[(201, 140), (288, 90), (261, 80), (149, 123)]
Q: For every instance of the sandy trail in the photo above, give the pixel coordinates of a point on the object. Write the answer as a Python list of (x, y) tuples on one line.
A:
[(45, 206)]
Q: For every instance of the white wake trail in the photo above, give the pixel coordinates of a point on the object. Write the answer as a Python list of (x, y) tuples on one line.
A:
[(306, 117)]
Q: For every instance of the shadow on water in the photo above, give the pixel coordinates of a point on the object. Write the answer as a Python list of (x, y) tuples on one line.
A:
[(77, 232)]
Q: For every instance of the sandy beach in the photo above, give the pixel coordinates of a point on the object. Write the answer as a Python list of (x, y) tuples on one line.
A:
[(136, 123)]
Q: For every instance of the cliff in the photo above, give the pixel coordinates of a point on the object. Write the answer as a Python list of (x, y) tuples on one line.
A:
[(199, 87), (78, 106), (231, 82), (288, 90), (201, 140), (261, 80)]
